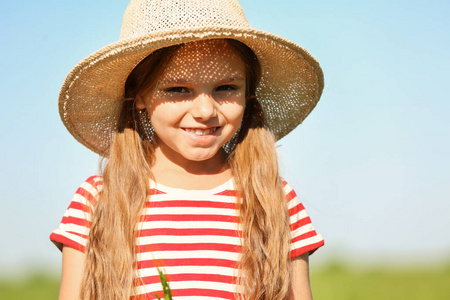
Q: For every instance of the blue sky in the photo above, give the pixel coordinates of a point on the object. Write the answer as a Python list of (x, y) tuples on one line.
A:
[(370, 162)]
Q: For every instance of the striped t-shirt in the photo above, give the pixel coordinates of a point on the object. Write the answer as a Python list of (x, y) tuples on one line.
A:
[(191, 235)]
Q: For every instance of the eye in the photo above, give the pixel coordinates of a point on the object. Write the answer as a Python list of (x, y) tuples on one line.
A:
[(225, 88), (177, 89)]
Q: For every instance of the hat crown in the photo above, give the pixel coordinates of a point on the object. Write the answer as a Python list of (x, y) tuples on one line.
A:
[(143, 17)]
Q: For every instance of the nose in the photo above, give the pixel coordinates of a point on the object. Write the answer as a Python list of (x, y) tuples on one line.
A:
[(204, 107)]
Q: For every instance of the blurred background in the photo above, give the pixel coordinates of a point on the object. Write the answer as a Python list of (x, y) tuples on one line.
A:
[(371, 163)]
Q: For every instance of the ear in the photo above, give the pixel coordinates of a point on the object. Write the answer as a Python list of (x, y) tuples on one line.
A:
[(140, 103)]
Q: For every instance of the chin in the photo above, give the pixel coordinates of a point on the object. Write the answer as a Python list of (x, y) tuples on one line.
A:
[(198, 157)]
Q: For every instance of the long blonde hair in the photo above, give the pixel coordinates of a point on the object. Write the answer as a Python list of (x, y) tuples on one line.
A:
[(111, 264)]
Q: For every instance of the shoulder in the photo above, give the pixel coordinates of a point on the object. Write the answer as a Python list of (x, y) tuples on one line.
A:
[(294, 204), (73, 230), (289, 192), (95, 181), (89, 191), (305, 239)]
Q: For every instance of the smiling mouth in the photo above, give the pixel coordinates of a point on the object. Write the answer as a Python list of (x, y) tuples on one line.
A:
[(201, 132)]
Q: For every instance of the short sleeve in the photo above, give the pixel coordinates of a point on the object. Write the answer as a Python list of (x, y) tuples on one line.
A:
[(73, 231), (304, 236)]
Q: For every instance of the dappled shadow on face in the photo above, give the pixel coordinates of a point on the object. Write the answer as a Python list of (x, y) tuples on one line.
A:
[(210, 69), (197, 101)]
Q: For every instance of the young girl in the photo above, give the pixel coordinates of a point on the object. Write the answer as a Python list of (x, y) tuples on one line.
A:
[(186, 107)]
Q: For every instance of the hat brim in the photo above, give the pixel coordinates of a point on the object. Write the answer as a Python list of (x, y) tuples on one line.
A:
[(91, 97)]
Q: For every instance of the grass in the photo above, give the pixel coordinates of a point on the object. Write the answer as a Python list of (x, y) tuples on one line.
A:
[(36, 286), (338, 282), (334, 282)]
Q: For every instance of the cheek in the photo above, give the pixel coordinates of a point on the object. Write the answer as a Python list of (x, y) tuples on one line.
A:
[(164, 114), (154, 117), (235, 113)]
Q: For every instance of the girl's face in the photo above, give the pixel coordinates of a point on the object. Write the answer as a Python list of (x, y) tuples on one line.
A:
[(198, 101)]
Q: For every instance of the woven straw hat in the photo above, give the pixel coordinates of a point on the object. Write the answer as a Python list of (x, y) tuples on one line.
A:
[(92, 95)]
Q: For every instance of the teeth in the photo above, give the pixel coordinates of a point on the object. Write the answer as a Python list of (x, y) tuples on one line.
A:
[(200, 132)]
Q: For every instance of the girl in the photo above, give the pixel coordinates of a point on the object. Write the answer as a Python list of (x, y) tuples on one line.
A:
[(186, 107)]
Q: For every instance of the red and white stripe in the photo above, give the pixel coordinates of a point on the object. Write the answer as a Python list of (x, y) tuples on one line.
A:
[(192, 236)]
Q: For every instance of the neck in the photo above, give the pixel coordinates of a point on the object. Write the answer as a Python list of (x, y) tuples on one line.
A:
[(185, 174), (170, 163)]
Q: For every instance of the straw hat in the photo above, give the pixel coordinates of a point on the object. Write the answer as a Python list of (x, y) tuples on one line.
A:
[(92, 94)]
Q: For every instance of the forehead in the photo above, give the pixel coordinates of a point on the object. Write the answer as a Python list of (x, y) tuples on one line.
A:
[(202, 60)]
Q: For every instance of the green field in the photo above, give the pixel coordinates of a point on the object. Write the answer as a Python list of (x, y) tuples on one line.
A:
[(339, 283), (35, 286), (334, 282)]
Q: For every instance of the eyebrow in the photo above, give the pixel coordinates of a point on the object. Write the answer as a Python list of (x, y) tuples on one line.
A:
[(231, 79), (184, 81)]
